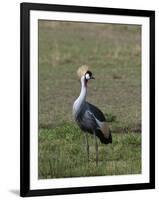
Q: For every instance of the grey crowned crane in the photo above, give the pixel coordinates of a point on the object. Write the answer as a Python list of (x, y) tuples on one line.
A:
[(88, 117)]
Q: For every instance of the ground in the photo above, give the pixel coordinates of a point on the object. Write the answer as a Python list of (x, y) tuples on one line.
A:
[(114, 54)]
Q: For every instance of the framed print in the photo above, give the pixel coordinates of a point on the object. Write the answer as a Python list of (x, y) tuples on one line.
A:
[(87, 99)]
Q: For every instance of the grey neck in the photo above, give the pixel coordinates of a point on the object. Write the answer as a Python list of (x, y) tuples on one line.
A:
[(81, 99)]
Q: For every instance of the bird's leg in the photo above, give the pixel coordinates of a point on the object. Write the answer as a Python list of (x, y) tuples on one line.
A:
[(87, 145), (96, 147)]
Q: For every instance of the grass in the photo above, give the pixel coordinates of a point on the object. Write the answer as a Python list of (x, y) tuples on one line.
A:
[(62, 153), (114, 54)]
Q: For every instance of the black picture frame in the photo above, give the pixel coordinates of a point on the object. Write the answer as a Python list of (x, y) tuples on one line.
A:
[(25, 9)]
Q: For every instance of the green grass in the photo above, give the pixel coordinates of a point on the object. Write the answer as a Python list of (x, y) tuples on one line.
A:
[(62, 153), (114, 54)]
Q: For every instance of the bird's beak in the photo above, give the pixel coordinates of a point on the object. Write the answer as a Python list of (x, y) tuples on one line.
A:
[(92, 77)]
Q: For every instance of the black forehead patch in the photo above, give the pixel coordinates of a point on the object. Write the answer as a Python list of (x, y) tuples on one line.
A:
[(89, 72)]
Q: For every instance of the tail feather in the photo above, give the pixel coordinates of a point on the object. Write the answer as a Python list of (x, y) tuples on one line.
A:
[(102, 138)]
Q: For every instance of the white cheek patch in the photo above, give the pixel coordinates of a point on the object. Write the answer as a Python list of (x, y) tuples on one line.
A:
[(87, 76)]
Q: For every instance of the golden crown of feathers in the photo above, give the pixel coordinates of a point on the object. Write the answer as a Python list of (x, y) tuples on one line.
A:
[(82, 70)]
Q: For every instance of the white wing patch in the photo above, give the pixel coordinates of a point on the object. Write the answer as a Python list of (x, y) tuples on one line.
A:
[(103, 126)]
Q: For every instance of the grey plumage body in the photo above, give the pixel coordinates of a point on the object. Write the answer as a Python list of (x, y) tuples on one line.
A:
[(88, 119)]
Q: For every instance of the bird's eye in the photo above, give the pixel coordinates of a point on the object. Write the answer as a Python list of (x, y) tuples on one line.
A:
[(87, 76)]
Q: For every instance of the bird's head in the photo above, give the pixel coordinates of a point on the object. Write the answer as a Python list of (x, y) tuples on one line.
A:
[(85, 74), (88, 75)]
